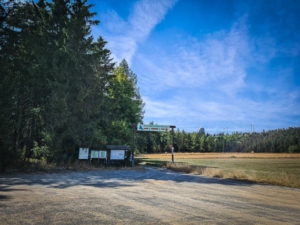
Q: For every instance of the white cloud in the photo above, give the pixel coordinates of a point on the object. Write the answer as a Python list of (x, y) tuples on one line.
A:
[(219, 61), (124, 36), (189, 113), (146, 15), (205, 81)]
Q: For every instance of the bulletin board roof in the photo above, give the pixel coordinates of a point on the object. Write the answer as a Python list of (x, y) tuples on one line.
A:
[(118, 147)]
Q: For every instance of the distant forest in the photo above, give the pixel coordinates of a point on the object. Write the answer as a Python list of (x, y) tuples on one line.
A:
[(60, 90), (272, 141)]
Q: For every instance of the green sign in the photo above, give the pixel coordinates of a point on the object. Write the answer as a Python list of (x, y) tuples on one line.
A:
[(156, 128), (102, 154)]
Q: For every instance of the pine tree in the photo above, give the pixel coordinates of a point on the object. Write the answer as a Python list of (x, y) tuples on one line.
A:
[(123, 104), (53, 78)]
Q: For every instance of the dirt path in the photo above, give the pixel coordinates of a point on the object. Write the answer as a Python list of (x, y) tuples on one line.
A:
[(150, 196)]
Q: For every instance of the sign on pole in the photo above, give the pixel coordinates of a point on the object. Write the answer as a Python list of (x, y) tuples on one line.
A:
[(157, 128)]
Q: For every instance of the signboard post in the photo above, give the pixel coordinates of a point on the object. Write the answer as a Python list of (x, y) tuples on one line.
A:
[(132, 154), (172, 142), (159, 128)]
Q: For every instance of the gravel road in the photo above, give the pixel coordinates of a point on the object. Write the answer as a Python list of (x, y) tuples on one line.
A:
[(145, 196)]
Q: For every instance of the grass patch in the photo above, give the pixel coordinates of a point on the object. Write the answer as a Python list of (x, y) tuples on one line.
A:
[(151, 162), (35, 165), (274, 171)]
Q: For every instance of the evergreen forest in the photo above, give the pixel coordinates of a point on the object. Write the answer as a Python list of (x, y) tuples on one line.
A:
[(61, 90), (272, 141)]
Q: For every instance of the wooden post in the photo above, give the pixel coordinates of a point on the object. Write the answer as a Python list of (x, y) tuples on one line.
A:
[(172, 142), (133, 131)]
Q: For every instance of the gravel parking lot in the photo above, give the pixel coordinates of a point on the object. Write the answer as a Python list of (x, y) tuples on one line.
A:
[(142, 196)]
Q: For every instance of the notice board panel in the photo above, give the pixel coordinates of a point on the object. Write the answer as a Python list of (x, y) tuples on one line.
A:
[(94, 154), (83, 153), (117, 154), (102, 154)]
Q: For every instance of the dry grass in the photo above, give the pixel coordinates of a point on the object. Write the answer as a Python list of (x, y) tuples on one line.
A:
[(280, 178), (218, 155), (37, 166), (275, 169)]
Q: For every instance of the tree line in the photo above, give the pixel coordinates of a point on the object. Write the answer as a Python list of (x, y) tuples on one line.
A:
[(272, 141), (59, 87)]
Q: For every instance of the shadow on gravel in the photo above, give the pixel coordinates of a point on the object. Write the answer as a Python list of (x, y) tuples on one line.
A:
[(104, 179), (4, 189), (184, 177)]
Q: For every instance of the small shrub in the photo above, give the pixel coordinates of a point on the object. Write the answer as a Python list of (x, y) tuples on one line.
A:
[(293, 149), (39, 152)]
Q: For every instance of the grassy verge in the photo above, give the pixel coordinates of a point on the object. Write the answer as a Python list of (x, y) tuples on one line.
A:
[(34, 165), (151, 162), (282, 172)]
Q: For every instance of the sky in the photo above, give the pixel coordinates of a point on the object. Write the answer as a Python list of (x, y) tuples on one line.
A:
[(224, 65)]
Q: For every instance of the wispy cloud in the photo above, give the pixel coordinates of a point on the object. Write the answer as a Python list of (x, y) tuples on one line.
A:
[(189, 113), (125, 35), (219, 61), (228, 78), (146, 15), (203, 82)]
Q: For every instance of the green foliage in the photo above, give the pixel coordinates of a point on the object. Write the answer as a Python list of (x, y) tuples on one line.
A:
[(122, 104), (40, 153), (56, 94), (273, 141), (294, 149)]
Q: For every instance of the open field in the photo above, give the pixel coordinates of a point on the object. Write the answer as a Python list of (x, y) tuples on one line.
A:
[(218, 155), (277, 169)]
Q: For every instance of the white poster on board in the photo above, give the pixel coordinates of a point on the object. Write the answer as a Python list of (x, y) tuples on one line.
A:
[(102, 154), (83, 153), (94, 154), (117, 154)]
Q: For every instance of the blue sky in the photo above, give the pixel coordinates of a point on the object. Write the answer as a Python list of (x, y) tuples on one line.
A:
[(209, 63)]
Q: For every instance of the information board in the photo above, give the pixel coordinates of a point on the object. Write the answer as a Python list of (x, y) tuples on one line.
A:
[(83, 153), (117, 154), (94, 154), (102, 154)]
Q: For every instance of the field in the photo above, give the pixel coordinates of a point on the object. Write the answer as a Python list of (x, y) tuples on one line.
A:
[(277, 169)]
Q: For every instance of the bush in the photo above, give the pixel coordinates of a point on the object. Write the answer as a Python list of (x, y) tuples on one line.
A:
[(293, 149), (40, 152)]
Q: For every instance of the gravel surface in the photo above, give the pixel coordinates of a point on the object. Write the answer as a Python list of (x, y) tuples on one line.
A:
[(145, 196)]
